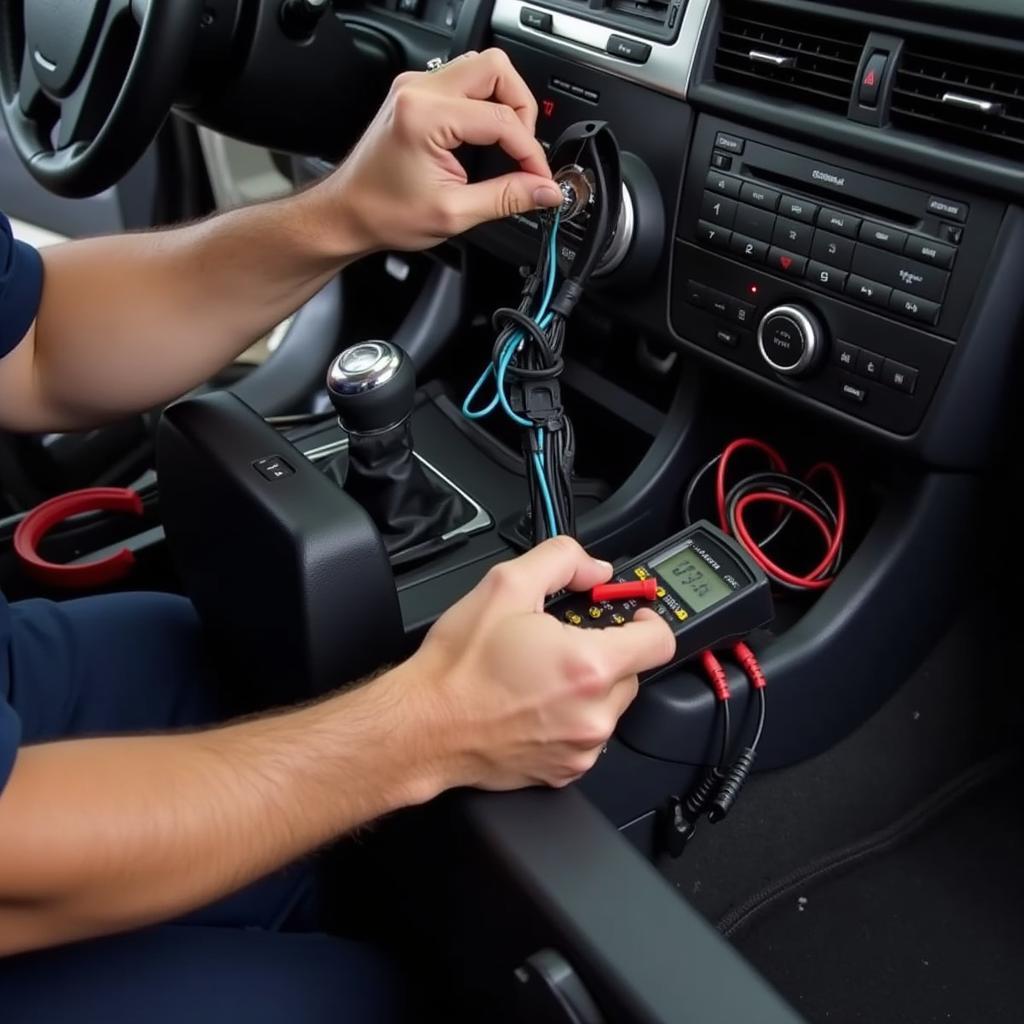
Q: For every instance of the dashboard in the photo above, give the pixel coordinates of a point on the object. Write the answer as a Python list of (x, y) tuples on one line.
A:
[(823, 199)]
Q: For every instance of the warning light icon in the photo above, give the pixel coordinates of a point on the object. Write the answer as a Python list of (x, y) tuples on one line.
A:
[(869, 78), (548, 106)]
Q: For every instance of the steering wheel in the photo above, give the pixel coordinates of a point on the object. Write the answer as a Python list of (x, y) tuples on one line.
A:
[(85, 85)]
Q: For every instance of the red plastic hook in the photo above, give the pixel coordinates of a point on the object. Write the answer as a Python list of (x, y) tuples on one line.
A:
[(49, 514)]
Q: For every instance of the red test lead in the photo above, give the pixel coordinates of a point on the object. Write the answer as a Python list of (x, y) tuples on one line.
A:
[(749, 663), (716, 675), (646, 589)]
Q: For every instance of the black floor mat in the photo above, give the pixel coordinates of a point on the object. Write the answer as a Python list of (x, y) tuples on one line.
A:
[(931, 931)]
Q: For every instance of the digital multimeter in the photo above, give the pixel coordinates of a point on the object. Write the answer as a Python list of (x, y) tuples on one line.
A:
[(701, 582)]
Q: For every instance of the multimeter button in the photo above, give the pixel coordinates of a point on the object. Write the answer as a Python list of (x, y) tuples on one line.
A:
[(646, 589), (680, 614), (619, 620), (573, 618), (660, 592), (595, 611)]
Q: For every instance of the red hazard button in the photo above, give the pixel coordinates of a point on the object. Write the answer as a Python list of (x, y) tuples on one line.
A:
[(871, 79)]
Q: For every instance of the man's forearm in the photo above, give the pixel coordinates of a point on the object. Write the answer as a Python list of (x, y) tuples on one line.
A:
[(101, 835), (132, 321)]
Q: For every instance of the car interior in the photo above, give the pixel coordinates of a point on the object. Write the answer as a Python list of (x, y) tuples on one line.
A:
[(796, 232)]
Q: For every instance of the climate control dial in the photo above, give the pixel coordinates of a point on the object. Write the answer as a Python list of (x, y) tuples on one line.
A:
[(791, 339)]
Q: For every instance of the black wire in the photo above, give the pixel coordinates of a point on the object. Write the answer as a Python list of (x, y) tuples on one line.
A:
[(723, 757), (692, 487), (782, 483), (761, 702), (538, 358)]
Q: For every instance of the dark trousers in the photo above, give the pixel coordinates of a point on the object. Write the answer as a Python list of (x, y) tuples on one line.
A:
[(133, 663)]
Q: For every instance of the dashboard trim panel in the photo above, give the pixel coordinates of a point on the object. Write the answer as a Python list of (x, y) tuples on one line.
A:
[(668, 69)]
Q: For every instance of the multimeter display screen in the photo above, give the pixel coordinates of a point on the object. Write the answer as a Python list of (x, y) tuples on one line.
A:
[(692, 579)]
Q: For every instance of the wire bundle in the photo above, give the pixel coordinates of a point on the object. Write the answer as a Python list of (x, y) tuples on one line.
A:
[(719, 787), (526, 363), (792, 496)]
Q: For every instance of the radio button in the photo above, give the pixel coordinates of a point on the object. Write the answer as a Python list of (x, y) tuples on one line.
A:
[(951, 208), (713, 235), (741, 312), (826, 277), (786, 262), (896, 375), (718, 303), (853, 392), (724, 184), (885, 237), (869, 364), (730, 143), (758, 195), (841, 223), (748, 248), (915, 307), (628, 49), (868, 291), (798, 209), (845, 355), (720, 210), (792, 235), (539, 20), (834, 250), (696, 294), (726, 337), (901, 272), (751, 220), (927, 251)]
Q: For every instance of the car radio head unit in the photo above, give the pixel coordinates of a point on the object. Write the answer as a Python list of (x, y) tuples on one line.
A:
[(836, 283)]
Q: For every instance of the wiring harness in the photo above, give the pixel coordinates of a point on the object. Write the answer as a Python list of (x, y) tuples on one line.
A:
[(791, 495), (718, 788), (526, 363)]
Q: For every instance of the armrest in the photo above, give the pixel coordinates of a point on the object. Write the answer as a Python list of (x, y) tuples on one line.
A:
[(570, 881)]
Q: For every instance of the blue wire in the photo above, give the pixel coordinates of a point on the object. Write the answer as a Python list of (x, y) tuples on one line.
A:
[(506, 358), (543, 318), (512, 344), (545, 492)]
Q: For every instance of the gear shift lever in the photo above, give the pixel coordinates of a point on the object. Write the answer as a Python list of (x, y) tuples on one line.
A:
[(372, 386)]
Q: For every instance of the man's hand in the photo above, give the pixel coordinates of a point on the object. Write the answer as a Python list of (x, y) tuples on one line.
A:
[(528, 699), (201, 294), (101, 835), (403, 187)]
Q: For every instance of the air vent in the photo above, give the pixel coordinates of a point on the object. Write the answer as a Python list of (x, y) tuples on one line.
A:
[(650, 10), (809, 59), (970, 95)]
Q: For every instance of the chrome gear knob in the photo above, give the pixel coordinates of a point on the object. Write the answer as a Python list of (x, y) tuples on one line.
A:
[(372, 386)]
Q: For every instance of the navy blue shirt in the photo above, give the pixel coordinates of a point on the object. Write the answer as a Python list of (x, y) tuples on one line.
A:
[(21, 285)]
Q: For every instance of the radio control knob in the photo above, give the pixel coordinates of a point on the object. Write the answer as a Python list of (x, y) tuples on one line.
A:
[(791, 340)]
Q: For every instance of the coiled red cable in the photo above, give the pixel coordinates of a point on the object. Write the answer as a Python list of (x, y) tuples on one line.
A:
[(793, 500)]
